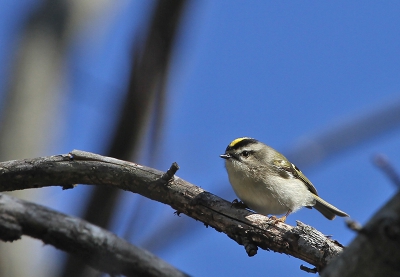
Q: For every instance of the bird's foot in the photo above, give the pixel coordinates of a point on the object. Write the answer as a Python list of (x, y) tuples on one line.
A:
[(276, 220), (239, 204)]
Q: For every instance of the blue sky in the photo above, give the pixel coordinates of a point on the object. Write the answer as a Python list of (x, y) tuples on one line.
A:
[(279, 71)]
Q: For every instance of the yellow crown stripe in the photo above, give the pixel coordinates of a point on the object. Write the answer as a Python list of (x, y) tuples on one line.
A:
[(236, 141)]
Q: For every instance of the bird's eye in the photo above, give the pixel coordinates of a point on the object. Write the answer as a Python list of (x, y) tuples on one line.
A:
[(245, 154)]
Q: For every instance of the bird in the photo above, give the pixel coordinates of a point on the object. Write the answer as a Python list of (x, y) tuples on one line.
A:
[(267, 183)]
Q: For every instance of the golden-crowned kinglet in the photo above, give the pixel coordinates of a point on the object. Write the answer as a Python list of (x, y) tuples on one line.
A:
[(268, 183)]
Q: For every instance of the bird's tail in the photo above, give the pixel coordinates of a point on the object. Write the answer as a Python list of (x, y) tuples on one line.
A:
[(328, 210)]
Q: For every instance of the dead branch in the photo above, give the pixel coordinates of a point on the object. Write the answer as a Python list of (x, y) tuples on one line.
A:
[(246, 228)]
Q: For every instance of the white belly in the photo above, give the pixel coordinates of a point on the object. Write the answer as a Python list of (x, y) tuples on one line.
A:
[(276, 198)]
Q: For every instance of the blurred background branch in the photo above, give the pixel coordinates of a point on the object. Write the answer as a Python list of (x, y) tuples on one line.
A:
[(96, 247), (143, 108), (32, 106)]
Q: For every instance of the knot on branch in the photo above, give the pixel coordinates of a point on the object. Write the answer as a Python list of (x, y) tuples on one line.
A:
[(251, 248)]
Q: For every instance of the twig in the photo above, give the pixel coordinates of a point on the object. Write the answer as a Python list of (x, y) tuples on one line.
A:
[(308, 270), (353, 225), (167, 176), (383, 163)]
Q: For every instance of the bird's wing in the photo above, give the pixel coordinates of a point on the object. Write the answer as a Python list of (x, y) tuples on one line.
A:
[(293, 171)]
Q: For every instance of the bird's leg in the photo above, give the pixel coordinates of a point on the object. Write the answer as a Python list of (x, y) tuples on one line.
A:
[(282, 219)]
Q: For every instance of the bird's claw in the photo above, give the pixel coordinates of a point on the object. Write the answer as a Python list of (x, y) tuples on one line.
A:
[(276, 220), (238, 204)]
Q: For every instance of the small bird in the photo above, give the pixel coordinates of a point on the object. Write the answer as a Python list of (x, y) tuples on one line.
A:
[(268, 183)]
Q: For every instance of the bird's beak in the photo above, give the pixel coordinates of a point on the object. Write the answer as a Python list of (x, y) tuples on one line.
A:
[(225, 156)]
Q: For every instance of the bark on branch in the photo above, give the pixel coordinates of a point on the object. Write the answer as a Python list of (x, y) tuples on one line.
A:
[(246, 228)]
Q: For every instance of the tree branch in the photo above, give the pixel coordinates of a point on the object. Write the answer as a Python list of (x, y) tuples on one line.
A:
[(95, 246), (246, 228), (375, 250)]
